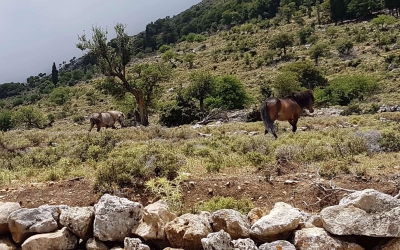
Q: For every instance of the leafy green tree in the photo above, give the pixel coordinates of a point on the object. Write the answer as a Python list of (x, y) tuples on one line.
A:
[(5, 120), (344, 47), (286, 83), (229, 94), (59, 95), (281, 41), (338, 10), (344, 89), (383, 20), (287, 10), (317, 51), (202, 84), (113, 61), (307, 74), (169, 56), (305, 33), (189, 58), (54, 74), (361, 8), (28, 116)]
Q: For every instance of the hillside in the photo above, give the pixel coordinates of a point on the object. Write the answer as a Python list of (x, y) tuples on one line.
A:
[(60, 162)]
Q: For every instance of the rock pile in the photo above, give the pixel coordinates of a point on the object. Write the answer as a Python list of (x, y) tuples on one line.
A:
[(364, 219)]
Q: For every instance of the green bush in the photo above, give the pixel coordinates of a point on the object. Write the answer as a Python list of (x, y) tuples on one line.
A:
[(28, 116), (305, 33), (164, 48), (199, 38), (59, 95), (229, 94), (78, 118), (342, 90), (216, 203), (352, 109), (390, 142), (286, 83), (5, 120), (309, 76)]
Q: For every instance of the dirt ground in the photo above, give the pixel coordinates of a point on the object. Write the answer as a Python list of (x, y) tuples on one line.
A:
[(304, 190)]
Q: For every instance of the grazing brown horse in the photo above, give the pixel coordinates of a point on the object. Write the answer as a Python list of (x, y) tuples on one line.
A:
[(288, 109)]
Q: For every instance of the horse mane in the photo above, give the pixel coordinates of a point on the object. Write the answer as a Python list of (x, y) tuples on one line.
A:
[(302, 98)]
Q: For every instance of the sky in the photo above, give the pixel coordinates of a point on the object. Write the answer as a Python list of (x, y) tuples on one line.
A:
[(36, 33)]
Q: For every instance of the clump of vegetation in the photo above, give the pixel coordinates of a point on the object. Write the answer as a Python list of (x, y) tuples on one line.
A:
[(216, 203)]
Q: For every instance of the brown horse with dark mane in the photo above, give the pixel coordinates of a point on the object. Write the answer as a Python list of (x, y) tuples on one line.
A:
[(288, 109)]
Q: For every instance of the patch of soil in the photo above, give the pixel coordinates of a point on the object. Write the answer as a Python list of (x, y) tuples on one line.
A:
[(304, 190)]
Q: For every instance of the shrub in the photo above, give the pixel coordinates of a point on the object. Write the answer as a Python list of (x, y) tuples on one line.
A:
[(342, 90), (286, 83), (216, 203), (5, 120), (28, 116), (230, 94), (164, 48), (59, 95), (305, 33), (199, 38), (344, 47), (78, 118), (352, 109), (390, 142), (309, 76)]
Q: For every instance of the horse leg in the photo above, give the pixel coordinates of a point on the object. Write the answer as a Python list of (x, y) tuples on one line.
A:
[(98, 127), (91, 125), (294, 124)]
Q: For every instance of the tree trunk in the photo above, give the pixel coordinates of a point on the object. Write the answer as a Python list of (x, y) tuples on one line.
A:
[(144, 119), (201, 104)]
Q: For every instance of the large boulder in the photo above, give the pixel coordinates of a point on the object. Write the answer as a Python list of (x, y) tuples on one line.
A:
[(187, 231), (244, 244), (62, 239), (279, 244), (390, 245), (217, 241), (367, 212), (6, 208), (79, 220), (232, 222), (115, 218), (25, 222), (317, 238), (134, 244), (151, 228), (278, 224)]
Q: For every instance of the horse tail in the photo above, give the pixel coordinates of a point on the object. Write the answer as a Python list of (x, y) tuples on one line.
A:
[(268, 122)]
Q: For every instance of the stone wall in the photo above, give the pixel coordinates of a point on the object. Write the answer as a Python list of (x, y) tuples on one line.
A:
[(364, 219)]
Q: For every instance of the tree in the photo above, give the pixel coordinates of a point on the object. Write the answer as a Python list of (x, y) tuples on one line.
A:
[(286, 83), (169, 56), (29, 116), (361, 8), (54, 74), (307, 74), (344, 47), (5, 120), (318, 50), (287, 10), (337, 10), (281, 41), (383, 20), (230, 94), (113, 63), (202, 85)]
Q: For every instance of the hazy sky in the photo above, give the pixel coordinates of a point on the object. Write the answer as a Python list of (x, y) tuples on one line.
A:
[(36, 33)]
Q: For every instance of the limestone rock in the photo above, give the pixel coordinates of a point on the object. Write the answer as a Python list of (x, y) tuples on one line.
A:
[(232, 222), (187, 231), (25, 222), (79, 220), (391, 245), (134, 244), (6, 208), (62, 239), (367, 212), (217, 241), (152, 225), (317, 238), (278, 224), (115, 218), (279, 244), (6, 243), (244, 244), (95, 244)]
